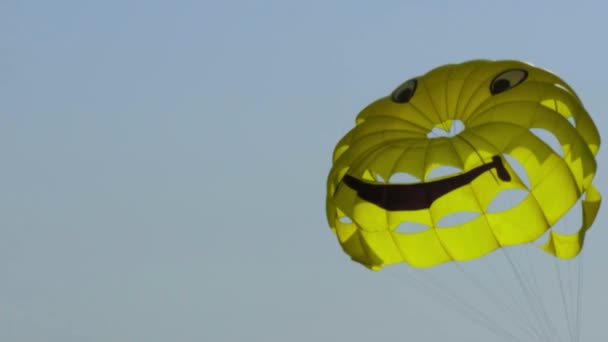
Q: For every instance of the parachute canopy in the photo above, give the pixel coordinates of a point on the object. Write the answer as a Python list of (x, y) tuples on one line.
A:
[(478, 119)]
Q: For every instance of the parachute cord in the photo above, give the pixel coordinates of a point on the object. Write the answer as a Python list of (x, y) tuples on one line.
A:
[(504, 307), (522, 313), (490, 323), (536, 305), (564, 302), (579, 295), (536, 290), (532, 274), (571, 295), (460, 305), (527, 296), (526, 304)]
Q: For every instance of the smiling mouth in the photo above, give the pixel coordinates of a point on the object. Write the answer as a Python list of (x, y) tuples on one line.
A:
[(395, 197)]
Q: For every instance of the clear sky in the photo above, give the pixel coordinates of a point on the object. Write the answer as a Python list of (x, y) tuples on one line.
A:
[(164, 162)]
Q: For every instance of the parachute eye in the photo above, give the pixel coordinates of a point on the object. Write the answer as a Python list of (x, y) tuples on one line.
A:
[(405, 91), (507, 80)]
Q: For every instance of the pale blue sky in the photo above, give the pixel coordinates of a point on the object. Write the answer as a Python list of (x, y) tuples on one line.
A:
[(164, 162)]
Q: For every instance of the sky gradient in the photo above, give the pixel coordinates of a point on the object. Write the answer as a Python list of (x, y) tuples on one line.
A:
[(164, 163)]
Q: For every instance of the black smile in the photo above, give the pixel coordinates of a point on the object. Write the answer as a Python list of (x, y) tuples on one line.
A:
[(420, 195)]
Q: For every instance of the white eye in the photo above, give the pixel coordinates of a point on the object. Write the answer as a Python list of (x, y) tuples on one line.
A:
[(507, 80), (404, 92)]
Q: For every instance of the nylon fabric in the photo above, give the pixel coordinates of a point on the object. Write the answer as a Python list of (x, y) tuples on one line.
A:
[(391, 138)]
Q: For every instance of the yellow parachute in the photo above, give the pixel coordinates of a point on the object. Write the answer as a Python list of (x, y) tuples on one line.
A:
[(497, 104)]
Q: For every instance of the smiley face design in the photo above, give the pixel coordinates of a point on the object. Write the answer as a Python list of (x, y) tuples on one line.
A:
[(492, 109)]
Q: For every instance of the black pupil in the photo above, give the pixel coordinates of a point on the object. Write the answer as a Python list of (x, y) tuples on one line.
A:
[(500, 86), (404, 95)]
